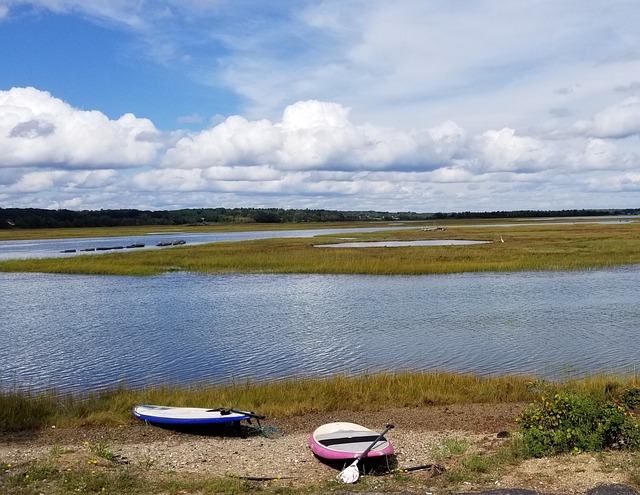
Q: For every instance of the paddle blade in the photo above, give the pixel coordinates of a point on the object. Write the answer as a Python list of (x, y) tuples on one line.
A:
[(350, 474)]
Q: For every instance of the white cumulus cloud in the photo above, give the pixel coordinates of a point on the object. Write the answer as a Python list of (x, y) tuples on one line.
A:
[(315, 135), (37, 129), (315, 155), (620, 120)]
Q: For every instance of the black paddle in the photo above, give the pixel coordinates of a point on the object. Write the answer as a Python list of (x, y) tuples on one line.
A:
[(351, 473), (434, 468), (228, 410)]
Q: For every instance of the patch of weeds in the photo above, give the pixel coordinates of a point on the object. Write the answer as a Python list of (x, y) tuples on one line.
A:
[(44, 477), (626, 462), (455, 445), (125, 481), (101, 450), (226, 485), (93, 481), (455, 449), (469, 465), (479, 464), (147, 462), (56, 451), (450, 446), (32, 478), (512, 452), (634, 471), (457, 476), (472, 468)]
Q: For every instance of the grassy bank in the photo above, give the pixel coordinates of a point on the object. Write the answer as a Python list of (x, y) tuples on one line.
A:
[(544, 246), (94, 467), (22, 410)]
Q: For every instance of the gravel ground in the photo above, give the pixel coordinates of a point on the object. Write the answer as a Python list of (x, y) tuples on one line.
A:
[(418, 438)]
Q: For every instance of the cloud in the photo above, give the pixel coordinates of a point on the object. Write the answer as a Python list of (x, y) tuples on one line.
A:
[(407, 64), (504, 151), (315, 155), (34, 182), (190, 119), (315, 135), (32, 129), (123, 12), (37, 129), (617, 121), (619, 183)]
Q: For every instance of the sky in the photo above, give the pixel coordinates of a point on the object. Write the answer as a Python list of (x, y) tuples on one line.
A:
[(409, 105)]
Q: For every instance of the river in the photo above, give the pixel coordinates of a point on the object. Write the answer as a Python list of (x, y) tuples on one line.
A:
[(82, 333)]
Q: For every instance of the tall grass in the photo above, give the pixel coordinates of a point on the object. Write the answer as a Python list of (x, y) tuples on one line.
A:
[(26, 411), (525, 248), (376, 391)]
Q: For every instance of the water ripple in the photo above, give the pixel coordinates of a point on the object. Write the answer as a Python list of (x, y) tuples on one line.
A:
[(87, 332)]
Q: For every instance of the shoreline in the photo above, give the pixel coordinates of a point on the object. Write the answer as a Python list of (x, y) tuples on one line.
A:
[(422, 435)]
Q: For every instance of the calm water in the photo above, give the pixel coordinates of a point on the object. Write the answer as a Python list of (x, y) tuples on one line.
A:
[(89, 332)]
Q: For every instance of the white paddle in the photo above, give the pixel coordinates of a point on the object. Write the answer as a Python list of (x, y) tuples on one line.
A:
[(351, 473)]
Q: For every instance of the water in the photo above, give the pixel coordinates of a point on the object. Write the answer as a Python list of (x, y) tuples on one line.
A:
[(78, 333)]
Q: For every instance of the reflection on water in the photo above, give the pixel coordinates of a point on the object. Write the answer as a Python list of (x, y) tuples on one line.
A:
[(88, 332)]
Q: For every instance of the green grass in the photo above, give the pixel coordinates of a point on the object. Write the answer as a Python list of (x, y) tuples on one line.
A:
[(548, 246), (49, 476)]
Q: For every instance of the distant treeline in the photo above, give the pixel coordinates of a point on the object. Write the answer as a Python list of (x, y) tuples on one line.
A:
[(33, 218)]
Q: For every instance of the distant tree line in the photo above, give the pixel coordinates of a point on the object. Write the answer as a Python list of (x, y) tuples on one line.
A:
[(34, 218)]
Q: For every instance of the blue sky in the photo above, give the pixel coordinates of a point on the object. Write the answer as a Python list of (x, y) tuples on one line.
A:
[(417, 105)]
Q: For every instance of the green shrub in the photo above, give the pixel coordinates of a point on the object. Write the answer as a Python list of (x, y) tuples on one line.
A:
[(631, 397), (572, 421)]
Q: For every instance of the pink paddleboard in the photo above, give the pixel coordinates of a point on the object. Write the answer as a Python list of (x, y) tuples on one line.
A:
[(347, 441)]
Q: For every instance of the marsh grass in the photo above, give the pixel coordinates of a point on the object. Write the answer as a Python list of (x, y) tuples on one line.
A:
[(26, 411), (525, 248), (145, 230)]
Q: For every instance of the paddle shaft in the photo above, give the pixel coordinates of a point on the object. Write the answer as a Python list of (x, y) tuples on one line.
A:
[(437, 468), (249, 413), (373, 444)]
